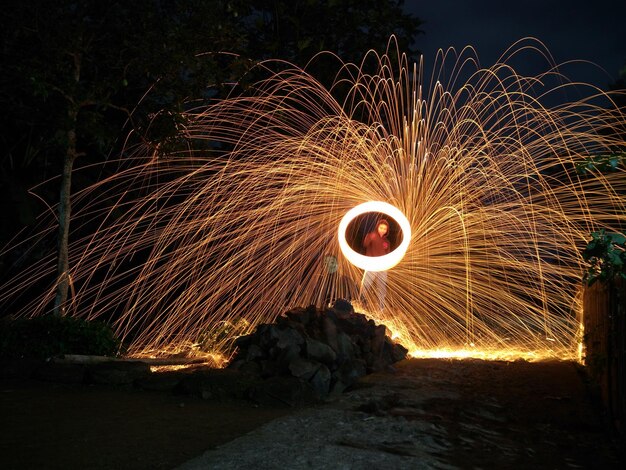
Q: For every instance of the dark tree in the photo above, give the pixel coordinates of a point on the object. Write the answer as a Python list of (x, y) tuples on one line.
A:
[(78, 75), (75, 71), (297, 30)]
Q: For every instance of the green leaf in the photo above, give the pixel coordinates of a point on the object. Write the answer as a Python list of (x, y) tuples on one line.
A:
[(615, 259)]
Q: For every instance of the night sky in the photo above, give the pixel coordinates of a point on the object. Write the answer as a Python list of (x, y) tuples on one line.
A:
[(591, 30)]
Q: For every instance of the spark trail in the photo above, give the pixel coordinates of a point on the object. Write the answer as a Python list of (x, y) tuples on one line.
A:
[(234, 229)]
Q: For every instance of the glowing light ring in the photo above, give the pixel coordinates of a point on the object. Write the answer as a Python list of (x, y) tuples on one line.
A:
[(375, 263)]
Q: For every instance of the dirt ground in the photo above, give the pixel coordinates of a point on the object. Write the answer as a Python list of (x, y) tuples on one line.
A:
[(61, 426), (426, 413)]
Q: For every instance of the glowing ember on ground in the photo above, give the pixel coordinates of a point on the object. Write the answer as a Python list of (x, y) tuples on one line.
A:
[(507, 354)]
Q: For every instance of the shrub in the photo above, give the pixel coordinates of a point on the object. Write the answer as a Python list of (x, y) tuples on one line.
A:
[(47, 336), (606, 257)]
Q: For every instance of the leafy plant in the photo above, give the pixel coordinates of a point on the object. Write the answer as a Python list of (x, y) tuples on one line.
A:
[(222, 337), (606, 255), (47, 336), (601, 163)]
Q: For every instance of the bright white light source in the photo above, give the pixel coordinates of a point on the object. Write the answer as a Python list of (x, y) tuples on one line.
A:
[(375, 263)]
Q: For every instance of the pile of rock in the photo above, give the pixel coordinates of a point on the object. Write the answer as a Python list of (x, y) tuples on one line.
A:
[(328, 349)]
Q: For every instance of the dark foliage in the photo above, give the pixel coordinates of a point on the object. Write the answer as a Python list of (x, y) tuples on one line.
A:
[(606, 255), (48, 336)]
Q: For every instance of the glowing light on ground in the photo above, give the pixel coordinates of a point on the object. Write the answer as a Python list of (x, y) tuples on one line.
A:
[(508, 354), (201, 244), (216, 361), (378, 263)]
